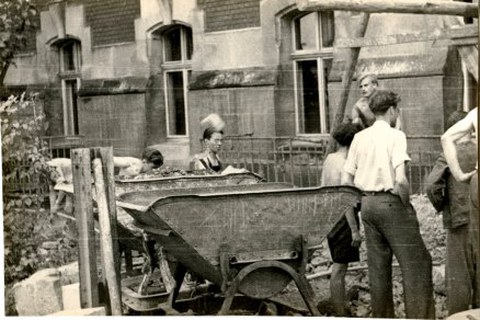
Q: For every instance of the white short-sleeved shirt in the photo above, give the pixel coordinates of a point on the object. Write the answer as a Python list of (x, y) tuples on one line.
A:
[(373, 156)]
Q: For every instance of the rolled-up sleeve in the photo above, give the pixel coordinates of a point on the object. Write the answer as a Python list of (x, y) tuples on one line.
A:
[(399, 152), (351, 163)]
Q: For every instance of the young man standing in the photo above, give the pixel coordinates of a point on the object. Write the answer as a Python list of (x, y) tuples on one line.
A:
[(361, 112), (466, 127), (452, 198), (376, 165), (344, 239)]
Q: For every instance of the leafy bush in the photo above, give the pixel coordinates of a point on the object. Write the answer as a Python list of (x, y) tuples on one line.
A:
[(25, 154), (28, 224)]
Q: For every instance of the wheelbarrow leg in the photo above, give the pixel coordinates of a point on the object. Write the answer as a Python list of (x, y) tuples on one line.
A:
[(303, 286), (178, 275), (149, 265)]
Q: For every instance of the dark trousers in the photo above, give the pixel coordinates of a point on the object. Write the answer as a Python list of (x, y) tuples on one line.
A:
[(460, 273), (391, 229)]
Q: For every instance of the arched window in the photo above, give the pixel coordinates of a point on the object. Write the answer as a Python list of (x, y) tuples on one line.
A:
[(69, 74), (176, 66), (313, 36)]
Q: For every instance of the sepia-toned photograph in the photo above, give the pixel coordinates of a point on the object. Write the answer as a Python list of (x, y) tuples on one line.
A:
[(240, 158)]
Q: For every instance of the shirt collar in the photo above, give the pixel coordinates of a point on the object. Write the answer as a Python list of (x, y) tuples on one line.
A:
[(380, 122)]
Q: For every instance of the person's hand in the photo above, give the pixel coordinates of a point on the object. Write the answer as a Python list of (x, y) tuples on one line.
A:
[(466, 176), (356, 239)]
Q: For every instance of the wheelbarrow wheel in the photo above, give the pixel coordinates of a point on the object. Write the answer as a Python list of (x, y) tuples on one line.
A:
[(272, 267)]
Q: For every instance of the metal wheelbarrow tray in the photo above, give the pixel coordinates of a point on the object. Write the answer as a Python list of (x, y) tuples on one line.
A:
[(185, 181), (130, 236), (253, 241)]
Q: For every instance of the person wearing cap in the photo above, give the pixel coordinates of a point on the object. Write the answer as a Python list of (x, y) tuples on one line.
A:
[(452, 198), (376, 165), (131, 166), (209, 160), (466, 127), (344, 239)]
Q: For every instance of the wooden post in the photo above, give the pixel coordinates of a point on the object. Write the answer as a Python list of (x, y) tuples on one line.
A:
[(82, 184), (106, 240), (468, 53), (106, 155), (347, 79), (397, 6)]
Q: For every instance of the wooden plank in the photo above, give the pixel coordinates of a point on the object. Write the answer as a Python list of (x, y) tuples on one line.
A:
[(347, 76), (82, 179), (397, 6), (106, 240), (466, 34), (106, 155)]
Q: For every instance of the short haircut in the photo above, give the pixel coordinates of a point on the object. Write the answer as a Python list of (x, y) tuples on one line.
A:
[(373, 78), (207, 133), (454, 117), (153, 156), (345, 132), (382, 100)]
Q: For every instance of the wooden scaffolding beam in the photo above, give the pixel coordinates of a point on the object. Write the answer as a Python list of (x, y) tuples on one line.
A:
[(347, 76), (397, 6), (459, 35)]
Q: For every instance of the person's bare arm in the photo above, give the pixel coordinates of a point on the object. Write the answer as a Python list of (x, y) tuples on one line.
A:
[(457, 131), (129, 166), (347, 178), (401, 186), (352, 223), (355, 115), (121, 162)]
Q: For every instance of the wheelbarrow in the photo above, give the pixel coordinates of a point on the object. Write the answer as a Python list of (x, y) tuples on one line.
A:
[(252, 241), (132, 238)]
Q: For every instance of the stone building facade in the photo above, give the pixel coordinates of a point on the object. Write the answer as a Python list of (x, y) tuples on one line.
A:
[(137, 73)]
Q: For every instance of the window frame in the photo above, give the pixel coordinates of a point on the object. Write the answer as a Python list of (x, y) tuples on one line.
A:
[(319, 54), (71, 126), (185, 66)]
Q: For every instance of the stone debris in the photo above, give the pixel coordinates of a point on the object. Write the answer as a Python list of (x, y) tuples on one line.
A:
[(39, 295), (99, 311), (71, 296), (69, 273), (50, 245)]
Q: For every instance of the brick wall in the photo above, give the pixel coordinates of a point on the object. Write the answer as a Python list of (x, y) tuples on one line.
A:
[(114, 120), (112, 21), (230, 14)]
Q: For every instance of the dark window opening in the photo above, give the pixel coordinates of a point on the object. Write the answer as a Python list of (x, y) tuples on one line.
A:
[(309, 113), (173, 49), (176, 103)]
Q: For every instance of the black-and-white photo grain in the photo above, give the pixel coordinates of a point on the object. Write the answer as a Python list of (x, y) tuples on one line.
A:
[(240, 157)]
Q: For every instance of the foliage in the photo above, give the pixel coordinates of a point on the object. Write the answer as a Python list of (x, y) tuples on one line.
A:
[(25, 230), (24, 153), (27, 225), (17, 19)]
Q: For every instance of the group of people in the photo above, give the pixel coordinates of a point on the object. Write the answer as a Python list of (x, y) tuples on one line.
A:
[(373, 157), (62, 177), (129, 167)]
